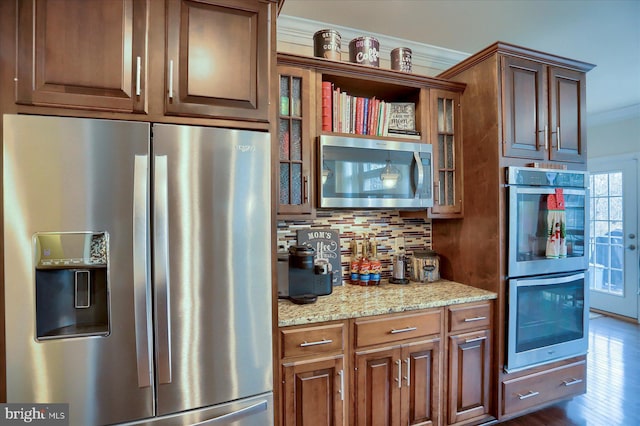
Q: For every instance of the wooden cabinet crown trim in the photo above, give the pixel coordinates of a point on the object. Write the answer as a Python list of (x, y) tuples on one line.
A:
[(517, 51), (355, 71)]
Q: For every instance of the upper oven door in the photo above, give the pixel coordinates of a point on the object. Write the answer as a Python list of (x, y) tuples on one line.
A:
[(531, 223)]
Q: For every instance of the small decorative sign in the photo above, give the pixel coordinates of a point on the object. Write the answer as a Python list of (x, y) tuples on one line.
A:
[(402, 116), (326, 243)]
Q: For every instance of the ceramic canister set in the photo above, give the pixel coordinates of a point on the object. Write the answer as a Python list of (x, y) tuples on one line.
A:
[(363, 50)]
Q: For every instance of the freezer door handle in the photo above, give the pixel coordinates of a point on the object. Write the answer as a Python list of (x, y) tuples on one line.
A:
[(140, 270), (161, 267), (229, 418)]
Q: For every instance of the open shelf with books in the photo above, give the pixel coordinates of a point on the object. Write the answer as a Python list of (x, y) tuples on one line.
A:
[(360, 106)]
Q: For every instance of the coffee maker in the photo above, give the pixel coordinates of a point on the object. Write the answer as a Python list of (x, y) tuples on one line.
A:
[(302, 277)]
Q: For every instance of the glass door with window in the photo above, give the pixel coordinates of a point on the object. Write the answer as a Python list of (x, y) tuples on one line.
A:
[(613, 262)]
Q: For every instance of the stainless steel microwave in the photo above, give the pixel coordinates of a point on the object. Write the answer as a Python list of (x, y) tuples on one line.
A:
[(372, 173)]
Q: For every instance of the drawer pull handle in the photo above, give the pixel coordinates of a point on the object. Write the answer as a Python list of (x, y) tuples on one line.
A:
[(341, 390), (474, 319), (571, 382), (477, 339), (529, 394), (403, 330), (319, 342)]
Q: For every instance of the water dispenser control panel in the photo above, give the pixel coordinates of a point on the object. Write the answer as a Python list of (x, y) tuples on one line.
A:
[(72, 297), (71, 249)]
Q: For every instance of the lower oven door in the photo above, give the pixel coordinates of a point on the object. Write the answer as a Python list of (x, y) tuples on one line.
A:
[(548, 319)]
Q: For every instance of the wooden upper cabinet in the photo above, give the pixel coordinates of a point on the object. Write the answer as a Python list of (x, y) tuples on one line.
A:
[(82, 54), (567, 106), (296, 129), (544, 111), (525, 108), (446, 138), (217, 59)]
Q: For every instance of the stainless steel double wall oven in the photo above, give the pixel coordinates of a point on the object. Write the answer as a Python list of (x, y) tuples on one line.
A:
[(547, 266)]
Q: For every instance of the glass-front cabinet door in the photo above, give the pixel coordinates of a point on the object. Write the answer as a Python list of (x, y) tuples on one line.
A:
[(295, 142), (446, 138)]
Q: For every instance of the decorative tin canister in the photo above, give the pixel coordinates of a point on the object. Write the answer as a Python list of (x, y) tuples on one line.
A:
[(365, 51), (401, 59), (326, 44)]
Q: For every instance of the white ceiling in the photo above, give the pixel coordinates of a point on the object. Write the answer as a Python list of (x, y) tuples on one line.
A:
[(602, 32)]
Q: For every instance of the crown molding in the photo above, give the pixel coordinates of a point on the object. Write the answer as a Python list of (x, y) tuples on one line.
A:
[(614, 115), (299, 32)]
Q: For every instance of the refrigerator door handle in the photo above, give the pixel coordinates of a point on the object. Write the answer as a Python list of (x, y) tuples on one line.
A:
[(235, 415), (161, 268), (140, 270)]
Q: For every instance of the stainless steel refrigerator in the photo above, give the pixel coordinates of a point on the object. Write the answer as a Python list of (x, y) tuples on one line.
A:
[(137, 271)]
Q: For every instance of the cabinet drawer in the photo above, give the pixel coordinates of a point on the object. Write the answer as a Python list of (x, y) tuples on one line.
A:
[(462, 318), (535, 389), (312, 340), (400, 327)]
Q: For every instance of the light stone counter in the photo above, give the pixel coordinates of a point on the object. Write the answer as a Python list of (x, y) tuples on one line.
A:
[(351, 301)]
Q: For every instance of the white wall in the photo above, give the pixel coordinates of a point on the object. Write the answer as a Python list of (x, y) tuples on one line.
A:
[(614, 138)]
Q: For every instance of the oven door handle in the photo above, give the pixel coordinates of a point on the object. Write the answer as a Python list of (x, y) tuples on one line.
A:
[(556, 279)]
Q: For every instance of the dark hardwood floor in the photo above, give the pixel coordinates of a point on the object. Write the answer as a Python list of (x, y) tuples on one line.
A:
[(613, 381)]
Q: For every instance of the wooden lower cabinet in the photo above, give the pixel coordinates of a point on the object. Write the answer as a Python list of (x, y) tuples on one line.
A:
[(314, 392), (398, 385), (314, 383), (469, 362), (532, 390), (469, 380), (389, 370)]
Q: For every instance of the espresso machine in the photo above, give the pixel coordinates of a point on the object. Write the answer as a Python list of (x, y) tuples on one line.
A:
[(302, 277)]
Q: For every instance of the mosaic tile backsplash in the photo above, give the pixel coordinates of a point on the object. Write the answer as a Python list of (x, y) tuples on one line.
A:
[(383, 224)]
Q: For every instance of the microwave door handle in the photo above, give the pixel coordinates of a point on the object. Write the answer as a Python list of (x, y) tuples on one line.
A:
[(418, 160)]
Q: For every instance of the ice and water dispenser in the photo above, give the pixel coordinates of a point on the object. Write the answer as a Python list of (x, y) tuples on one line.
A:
[(72, 297)]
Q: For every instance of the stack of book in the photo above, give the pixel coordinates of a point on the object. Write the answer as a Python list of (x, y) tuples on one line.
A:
[(344, 113)]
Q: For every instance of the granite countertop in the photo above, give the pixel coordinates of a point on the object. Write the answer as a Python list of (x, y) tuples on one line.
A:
[(351, 301)]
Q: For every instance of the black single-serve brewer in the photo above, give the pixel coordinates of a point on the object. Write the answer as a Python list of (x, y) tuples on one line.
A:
[(302, 278)]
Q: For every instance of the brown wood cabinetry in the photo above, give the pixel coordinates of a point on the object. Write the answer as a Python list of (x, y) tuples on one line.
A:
[(426, 93), (512, 93), (79, 54), (469, 363), (531, 390), (544, 111), (398, 385), (446, 138), (313, 391), (397, 361), (314, 386), (394, 368), (218, 59), (296, 130), (163, 61)]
